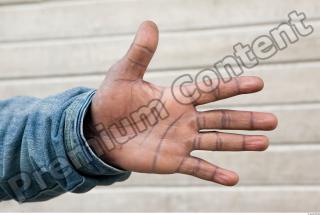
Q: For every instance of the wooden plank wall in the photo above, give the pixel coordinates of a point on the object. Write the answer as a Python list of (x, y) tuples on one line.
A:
[(47, 46)]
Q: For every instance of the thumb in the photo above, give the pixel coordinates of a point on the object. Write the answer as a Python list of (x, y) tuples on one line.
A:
[(141, 51)]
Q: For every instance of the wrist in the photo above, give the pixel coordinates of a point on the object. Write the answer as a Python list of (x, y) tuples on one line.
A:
[(98, 140)]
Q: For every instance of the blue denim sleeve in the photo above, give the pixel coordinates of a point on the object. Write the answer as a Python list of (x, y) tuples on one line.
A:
[(43, 151)]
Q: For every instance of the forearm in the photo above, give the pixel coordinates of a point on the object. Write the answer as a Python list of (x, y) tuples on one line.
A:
[(43, 151)]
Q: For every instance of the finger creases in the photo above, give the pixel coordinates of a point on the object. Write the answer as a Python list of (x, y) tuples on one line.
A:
[(216, 141), (143, 47), (236, 120), (223, 90), (202, 169)]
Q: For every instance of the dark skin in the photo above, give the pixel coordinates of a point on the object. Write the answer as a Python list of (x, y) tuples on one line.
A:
[(166, 147)]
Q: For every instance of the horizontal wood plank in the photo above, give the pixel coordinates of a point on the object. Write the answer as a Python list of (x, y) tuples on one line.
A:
[(9, 2), (183, 199), (176, 50), (284, 83), (60, 19), (52, 46), (284, 94), (279, 165)]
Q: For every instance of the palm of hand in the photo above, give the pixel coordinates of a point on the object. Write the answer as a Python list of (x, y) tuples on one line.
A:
[(153, 133)]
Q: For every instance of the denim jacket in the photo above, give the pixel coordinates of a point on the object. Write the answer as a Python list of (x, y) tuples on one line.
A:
[(43, 151)]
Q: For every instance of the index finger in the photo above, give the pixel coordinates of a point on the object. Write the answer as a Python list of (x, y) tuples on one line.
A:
[(236, 86)]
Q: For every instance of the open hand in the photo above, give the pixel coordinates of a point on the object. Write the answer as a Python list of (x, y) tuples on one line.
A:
[(142, 127)]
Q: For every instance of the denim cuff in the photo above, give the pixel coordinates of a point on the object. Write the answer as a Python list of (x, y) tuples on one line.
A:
[(77, 147)]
